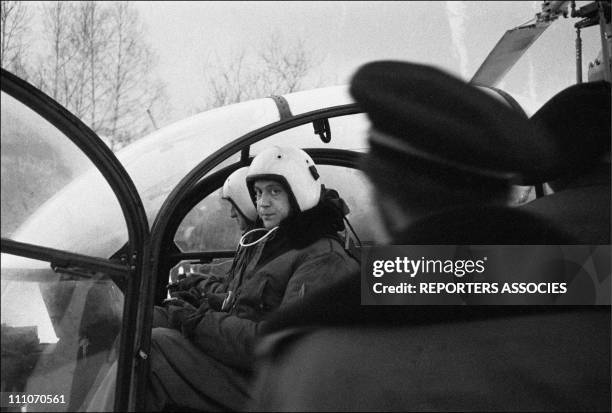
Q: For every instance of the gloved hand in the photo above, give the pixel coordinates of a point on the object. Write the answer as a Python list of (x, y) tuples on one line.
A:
[(216, 300), (177, 314), (190, 323), (188, 282), (192, 296)]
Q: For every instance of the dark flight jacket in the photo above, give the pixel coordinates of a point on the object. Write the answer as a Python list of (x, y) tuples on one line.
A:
[(304, 255)]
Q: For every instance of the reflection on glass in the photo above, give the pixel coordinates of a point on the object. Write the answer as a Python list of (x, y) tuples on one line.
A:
[(52, 195), (521, 195), (355, 189), (347, 132), (59, 333), (37, 161), (208, 226), (157, 162)]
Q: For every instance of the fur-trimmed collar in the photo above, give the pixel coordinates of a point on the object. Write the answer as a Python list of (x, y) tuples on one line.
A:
[(322, 221)]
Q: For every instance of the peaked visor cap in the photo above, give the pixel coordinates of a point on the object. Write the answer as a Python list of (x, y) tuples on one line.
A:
[(578, 118), (420, 111)]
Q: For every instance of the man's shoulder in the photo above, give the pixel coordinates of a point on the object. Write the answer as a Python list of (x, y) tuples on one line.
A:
[(323, 244)]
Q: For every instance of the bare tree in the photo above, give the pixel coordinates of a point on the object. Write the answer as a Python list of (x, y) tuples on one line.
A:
[(63, 68), (55, 22), (279, 67), (58, 72), (133, 92), (13, 19), (91, 33), (286, 65), (99, 66), (233, 82)]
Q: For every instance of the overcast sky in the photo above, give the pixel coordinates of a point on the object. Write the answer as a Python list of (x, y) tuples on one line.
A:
[(456, 36)]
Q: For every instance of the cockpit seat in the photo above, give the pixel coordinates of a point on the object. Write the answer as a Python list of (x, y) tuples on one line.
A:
[(578, 119)]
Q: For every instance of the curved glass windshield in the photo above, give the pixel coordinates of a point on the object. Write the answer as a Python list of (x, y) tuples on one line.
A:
[(60, 325), (51, 194), (208, 226), (347, 132), (157, 162), (37, 161), (49, 191)]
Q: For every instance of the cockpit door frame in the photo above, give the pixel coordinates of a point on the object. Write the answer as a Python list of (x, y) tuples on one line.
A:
[(133, 211)]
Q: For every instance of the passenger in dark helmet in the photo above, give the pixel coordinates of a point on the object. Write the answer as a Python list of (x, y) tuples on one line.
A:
[(443, 156), (579, 120), (297, 252)]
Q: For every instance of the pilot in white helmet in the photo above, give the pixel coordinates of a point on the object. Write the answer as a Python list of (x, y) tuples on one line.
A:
[(208, 364)]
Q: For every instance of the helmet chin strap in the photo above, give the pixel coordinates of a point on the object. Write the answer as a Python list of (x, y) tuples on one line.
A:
[(242, 244)]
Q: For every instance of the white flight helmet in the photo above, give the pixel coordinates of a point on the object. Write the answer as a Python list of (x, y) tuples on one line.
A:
[(235, 190), (293, 168)]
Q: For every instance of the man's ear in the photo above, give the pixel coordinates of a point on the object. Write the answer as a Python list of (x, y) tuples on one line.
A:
[(395, 218)]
